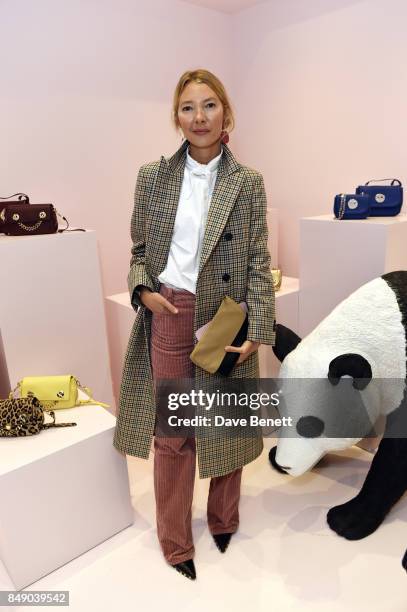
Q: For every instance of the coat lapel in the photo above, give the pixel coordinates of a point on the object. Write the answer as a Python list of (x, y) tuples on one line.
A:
[(168, 189)]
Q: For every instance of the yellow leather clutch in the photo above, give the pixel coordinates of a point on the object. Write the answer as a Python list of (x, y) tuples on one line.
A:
[(56, 391)]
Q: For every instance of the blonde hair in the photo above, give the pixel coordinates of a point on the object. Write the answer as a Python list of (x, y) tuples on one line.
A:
[(204, 76)]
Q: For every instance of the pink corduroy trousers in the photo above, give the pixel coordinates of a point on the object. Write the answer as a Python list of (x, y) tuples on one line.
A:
[(175, 458)]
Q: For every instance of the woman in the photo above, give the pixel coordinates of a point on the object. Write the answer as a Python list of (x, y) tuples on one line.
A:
[(199, 232)]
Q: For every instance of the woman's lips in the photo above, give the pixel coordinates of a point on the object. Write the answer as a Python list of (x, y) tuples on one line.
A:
[(201, 132)]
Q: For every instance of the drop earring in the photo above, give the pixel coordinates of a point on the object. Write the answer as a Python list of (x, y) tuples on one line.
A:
[(224, 137)]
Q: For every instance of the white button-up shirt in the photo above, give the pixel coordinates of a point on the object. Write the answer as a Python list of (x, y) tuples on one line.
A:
[(181, 270)]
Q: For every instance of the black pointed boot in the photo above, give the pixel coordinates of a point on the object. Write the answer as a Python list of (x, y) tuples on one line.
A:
[(222, 540), (186, 568)]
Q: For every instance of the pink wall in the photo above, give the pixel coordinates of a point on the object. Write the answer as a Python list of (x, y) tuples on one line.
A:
[(86, 91), (321, 94), (318, 86)]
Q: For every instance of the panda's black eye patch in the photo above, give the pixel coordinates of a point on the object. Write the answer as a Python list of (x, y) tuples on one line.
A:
[(310, 427)]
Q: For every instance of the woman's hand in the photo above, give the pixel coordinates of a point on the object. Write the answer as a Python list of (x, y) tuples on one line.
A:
[(248, 347), (156, 302)]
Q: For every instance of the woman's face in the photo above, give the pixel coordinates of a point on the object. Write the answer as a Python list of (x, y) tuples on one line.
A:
[(200, 114)]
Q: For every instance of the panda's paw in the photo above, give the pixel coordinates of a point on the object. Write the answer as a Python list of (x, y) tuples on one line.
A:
[(353, 520)]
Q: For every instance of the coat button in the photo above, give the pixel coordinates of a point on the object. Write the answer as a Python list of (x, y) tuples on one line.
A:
[(226, 277), (228, 236)]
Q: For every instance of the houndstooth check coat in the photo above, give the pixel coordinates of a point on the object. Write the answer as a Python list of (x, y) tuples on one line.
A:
[(238, 266)]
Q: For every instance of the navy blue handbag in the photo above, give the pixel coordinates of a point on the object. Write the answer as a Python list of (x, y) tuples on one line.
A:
[(385, 200), (351, 206)]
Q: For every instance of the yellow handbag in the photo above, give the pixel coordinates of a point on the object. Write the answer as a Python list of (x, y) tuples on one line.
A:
[(56, 391)]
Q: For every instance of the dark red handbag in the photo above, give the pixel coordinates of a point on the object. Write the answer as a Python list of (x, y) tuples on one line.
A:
[(20, 218), (23, 219)]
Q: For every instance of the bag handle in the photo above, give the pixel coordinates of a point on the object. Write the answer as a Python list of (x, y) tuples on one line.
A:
[(37, 402), (53, 424), (65, 229), (21, 196), (91, 400), (393, 181)]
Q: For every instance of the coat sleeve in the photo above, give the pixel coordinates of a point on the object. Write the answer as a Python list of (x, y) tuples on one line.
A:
[(137, 274), (260, 297)]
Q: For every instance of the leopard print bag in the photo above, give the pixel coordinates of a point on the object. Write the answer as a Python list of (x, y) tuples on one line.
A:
[(25, 417)]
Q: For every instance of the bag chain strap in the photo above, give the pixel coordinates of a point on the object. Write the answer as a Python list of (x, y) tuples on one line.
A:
[(342, 206), (30, 228)]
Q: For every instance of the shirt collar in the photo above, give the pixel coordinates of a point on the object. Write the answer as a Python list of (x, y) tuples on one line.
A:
[(202, 169)]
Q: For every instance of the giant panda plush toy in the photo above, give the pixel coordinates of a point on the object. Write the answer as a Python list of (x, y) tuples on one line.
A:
[(362, 343)]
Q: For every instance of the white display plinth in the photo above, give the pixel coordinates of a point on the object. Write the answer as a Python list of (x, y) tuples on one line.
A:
[(338, 257), (286, 314), (63, 492), (52, 318), (120, 316)]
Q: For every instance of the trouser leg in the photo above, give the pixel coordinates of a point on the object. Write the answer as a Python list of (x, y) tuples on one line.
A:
[(223, 503), (174, 458), (174, 476)]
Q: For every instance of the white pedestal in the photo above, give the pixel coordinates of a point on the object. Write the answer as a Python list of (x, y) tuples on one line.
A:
[(337, 257), (63, 492), (120, 316), (286, 314), (52, 316)]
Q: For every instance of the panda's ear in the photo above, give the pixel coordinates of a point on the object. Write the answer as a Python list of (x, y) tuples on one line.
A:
[(286, 341), (351, 364)]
